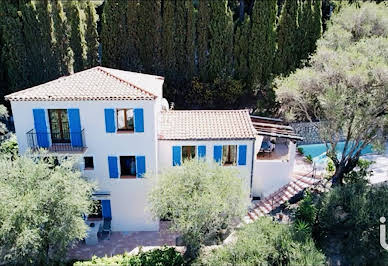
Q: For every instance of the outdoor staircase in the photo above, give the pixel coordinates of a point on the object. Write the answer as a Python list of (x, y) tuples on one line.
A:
[(271, 202)]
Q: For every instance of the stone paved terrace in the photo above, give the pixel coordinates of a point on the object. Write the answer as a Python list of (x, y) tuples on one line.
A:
[(121, 242)]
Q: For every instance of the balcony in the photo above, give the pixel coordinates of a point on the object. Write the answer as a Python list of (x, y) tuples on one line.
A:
[(65, 142)]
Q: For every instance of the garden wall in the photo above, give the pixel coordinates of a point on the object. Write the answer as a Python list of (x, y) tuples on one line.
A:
[(309, 131)]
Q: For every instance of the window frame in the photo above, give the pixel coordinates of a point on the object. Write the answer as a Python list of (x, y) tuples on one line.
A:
[(89, 168), (126, 129), (192, 148), (126, 176), (234, 163)]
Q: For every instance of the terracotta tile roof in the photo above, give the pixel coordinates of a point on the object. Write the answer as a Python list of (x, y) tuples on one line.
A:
[(206, 124), (98, 83)]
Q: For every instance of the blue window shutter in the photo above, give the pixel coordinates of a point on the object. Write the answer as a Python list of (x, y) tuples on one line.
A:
[(217, 154), (140, 166), (110, 126), (75, 127), (106, 210), (176, 155), (202, 151), (139, 119), (242, 155), (113, 169), (41, 127)]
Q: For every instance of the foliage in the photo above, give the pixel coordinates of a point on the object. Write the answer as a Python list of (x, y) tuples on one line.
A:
[(300, 150), (10, 146), (265, 242), (346, 86), (41, 208), (306, 211), (200, 199), (77, 34), (360, 173), (309, 158), (91, 35), (161, 257), (351, 214), (3, 115)]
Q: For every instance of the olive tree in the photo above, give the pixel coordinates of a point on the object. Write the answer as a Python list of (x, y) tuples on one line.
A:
[(345, 86), (41, 209), (200, 199), (3, 114)]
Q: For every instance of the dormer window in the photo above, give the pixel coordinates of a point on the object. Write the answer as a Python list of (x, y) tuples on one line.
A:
[(125, 120)]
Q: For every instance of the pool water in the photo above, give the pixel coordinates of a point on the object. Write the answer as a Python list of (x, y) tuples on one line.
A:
[(318, 151)]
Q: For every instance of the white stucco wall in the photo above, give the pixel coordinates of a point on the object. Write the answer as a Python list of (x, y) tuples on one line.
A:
[(270, 175), (128, 196), (165, 153)]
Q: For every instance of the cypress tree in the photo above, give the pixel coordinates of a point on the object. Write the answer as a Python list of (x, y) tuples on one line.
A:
[(76, 19), (241, 49), (62, 50), (287, 38), (221, 39), (91, 35), (316, 24), (50, 70), (149, 33), (114, 34), (304, 29), (184, 39), (13, 53), (203, 32), (262, 41), (168, 42), (133, 44)]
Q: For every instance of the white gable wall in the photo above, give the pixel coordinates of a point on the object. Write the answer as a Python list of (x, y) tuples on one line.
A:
[(128, 196)]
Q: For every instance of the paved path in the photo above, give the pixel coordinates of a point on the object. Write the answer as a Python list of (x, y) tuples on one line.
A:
[(121, 242)]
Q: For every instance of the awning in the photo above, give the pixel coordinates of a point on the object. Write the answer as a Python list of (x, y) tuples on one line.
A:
[(273, 127)]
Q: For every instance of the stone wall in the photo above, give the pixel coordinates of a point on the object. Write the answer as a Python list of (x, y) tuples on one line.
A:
[(309, 131)]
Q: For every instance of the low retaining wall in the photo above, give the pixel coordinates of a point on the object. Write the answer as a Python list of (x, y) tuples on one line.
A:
[(309, 131)]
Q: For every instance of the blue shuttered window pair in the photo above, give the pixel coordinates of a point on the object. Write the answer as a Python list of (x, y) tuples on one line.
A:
[(110, 124), (42, 133), (114, 170), (242, 154), (177, 154)]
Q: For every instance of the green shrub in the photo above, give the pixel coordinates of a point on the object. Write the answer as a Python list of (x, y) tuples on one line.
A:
[(349, 215), (164, 256), (309, 158), (306, 211), (9, 146), (300, 150), (360, 173), (265, 242)]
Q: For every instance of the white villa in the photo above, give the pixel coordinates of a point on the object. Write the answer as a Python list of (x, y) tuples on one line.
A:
[(122, 127)]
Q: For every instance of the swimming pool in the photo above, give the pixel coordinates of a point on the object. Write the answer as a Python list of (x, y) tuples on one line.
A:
[(318, 151)]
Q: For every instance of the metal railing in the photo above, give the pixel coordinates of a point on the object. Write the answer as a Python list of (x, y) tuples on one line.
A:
[(56, 142)]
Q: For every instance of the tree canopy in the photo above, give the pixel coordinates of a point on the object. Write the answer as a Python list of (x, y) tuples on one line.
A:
[(346, 84), (200, 199), (41, 209)]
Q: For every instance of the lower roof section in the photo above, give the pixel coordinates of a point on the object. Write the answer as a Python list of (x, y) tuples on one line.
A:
[(206, 125)]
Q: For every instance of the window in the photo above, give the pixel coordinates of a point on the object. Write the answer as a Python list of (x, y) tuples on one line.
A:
[(229, 154), (127, 167), (188, 152), (125, 120), (59, 126), (96, 211), (89, 164)]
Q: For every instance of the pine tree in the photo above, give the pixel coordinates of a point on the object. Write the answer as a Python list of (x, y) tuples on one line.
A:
[(221, 39), (149, 33), (262, 42), (168, 39), (76, 19), (286, 57), (62, 50), (203, 33), (91, 35), (241, 49)]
